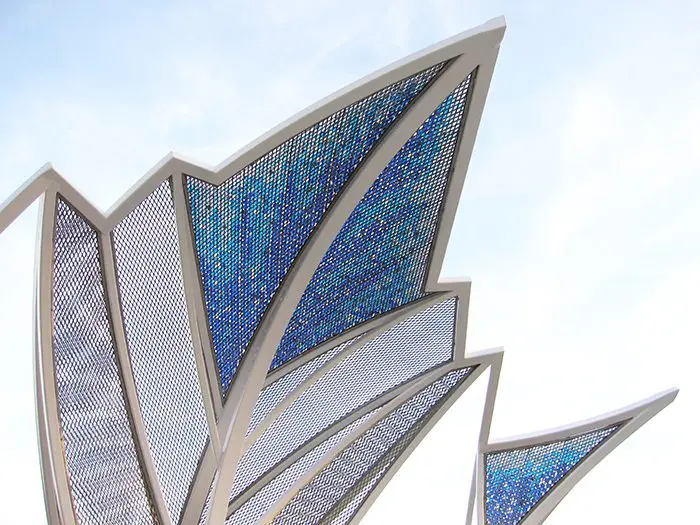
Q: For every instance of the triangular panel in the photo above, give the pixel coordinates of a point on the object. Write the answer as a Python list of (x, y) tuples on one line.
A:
[(518, 479)]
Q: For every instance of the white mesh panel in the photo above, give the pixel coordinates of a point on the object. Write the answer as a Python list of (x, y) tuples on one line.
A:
[(407, 350), (160, 345)]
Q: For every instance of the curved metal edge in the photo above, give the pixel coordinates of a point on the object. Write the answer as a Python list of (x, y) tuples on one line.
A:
[(477, 39), (389, 321), (49, 482), (475, 108), (196, 311), (630, 418), (51, 440), (475, 43), (480, 362), (310, 355), (253, 369), (139, 435), (492, 360), (398, 316)]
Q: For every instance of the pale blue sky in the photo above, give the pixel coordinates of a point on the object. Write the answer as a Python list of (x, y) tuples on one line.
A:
[(579, 223)]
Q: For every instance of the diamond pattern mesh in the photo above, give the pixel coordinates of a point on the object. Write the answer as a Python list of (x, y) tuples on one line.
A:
[(273, 394), (249, 230), (160, 345), (342, 514), (407, 350), (256, 507), (105, 477), (379, 260), (517, 480), (351, 473)]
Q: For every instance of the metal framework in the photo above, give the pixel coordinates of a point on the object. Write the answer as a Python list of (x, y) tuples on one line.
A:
[(260, 442)]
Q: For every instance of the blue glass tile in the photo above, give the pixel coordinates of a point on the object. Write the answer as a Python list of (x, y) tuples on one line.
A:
[(379, 259), (249, 230), (517, 480)]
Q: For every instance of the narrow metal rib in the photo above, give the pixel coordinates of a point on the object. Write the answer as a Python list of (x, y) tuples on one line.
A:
[(204, 355)]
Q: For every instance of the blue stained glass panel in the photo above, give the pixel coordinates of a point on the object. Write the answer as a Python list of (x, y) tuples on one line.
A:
[(517, 480), (249, 230), (379, 260)]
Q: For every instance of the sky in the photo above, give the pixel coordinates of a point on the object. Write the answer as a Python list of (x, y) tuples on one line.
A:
[(579, 223)]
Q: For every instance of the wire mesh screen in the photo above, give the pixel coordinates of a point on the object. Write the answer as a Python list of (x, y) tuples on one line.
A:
[(326, 496), (105, 477), (517, 480), (260, 503), (160, 345), (271, 396), (403, 352), (249, 230), (379, 260), (344, 512)]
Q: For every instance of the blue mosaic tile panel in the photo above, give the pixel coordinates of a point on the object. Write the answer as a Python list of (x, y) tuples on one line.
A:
[(106, 481), (249, 230), (157, 328), (517, 480), (379, 259)]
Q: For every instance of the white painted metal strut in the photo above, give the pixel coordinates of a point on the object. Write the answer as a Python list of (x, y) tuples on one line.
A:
[(196, 310), (50, 439)]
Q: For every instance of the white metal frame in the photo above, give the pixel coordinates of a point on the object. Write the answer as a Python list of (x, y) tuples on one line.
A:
[(476, 49), (473, 49), (630, 418), (388, 321), (482, 361)]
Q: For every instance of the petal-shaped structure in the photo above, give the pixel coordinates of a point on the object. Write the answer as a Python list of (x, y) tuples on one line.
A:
[(250, 230), (379, 260), (516, 480), (158, 337), (268, 340), (523, 479), (94, 419)]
